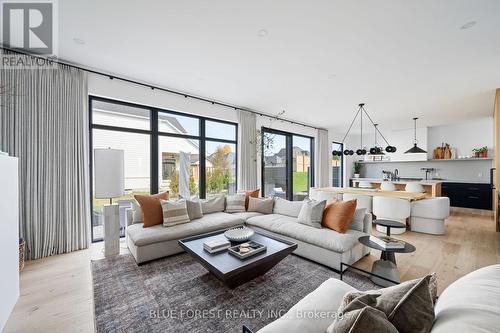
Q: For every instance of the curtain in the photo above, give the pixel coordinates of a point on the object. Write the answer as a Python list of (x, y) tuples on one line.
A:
[(185, 159), (247, 151), (44, 122), (324, 159)]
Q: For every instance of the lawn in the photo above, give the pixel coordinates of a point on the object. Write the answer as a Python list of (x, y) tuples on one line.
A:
[(299, 182)]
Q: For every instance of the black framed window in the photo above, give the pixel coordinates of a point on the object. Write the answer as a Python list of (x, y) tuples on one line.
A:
[(164, 151), (337, 165), (287, 164)]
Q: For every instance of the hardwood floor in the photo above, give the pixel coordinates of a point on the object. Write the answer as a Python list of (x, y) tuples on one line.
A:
[(56, 292)]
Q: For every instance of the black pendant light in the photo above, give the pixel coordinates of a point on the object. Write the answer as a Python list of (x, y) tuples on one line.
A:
[(362, 150), (415, 149), (376, 150)]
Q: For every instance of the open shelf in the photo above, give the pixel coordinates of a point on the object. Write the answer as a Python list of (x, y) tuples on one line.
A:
[(433, 160)]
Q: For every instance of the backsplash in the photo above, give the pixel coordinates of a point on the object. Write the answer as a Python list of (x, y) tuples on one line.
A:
[(460, 171)]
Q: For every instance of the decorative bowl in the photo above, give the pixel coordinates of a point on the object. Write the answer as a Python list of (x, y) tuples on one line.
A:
[(240, 234)]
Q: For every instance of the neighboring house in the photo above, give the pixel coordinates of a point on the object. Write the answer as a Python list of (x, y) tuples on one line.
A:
[(301, 159)]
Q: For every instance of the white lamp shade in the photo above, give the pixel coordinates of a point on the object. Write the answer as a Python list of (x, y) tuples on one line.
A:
[(108, 173)]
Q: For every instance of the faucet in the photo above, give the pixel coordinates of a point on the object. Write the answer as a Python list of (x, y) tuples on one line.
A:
[(396, 174), (391, 175)]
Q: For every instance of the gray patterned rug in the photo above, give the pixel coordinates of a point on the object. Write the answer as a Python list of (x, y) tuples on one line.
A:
[(177, 294)]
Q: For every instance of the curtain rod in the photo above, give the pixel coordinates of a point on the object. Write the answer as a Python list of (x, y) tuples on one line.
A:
[(155, 87)]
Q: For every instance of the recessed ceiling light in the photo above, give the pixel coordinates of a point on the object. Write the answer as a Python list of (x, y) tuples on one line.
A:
[(332, 76), (263, 32), (468, 25), (78, 41)]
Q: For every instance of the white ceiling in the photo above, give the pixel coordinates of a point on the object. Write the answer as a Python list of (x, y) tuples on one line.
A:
[(318, 60)]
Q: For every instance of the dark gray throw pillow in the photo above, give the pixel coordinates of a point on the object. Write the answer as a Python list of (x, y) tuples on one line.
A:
[(362, 319), (408, 306)]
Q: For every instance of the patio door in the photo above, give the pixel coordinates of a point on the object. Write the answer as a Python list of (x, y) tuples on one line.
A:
[(287, 164)]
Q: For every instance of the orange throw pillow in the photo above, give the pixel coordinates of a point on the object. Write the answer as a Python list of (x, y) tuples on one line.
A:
[(248, 194), (338, 215), (152, 214)]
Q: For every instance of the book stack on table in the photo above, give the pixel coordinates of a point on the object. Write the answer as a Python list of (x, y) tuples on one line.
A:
[(388, 242), (216, 246)]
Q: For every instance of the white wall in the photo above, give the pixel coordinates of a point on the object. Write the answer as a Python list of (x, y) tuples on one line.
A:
[(9, 237), (463, 136)]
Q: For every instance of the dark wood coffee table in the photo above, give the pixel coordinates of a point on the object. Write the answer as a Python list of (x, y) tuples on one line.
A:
[(233, 271)]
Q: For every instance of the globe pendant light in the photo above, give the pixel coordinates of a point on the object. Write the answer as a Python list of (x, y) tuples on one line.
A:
[(415, 149), (376, 150), (362, 150)]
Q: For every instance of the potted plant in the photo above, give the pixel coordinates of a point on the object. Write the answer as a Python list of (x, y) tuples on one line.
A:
[(480, 152), (357, 169)]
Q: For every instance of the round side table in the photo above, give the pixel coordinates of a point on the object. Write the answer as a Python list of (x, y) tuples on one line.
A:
[(386, 265)]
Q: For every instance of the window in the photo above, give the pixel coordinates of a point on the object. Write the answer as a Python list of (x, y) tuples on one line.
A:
[(220, 169), (164, 151), (287, 169), (337, 165)]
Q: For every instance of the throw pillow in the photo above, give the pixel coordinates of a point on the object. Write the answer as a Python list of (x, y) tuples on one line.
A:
[(250, 194), (408, 306), (264, 206), (338, 215), (136, 212), (286, 207), (311, 213), (194, 209), (365, 319), (152, 213), (358, 220), (235, 203), (174, 212), (213, 205)]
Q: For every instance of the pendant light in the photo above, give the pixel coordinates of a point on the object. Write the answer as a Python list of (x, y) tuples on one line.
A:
[(362, 150), (415, 149), (376, 150)]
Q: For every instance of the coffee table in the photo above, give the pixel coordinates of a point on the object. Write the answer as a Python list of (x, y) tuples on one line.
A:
[(386, 265), (233, 271)]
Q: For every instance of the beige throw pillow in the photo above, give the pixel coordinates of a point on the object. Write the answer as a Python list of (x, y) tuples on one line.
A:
[(174, 212), (213, 205), (264, 206), (194, 209), (235, 203)]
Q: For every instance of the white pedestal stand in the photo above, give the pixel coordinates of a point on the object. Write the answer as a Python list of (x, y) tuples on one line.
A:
[(111, 229)]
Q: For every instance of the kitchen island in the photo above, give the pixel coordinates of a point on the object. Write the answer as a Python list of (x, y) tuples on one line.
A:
[(432, 187)]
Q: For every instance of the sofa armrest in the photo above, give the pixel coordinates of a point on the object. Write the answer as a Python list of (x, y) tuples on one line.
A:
[(367, 223), (129, 216)]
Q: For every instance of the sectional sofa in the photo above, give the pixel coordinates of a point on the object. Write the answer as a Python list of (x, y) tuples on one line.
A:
[(471, 304), (324, 246)]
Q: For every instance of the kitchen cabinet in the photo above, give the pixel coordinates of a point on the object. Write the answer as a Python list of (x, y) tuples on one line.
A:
[(468, 195)]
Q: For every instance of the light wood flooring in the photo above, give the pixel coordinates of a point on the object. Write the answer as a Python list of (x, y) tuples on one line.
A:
[(56, 292)]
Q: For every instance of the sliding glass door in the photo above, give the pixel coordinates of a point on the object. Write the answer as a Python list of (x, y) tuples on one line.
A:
[(286, 164), (337, 161)]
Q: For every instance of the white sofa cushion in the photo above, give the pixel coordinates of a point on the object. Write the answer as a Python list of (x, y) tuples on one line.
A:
[(470, 304), (286, 207), (324, 301), (210, 222), (246, 215), (432, 208), (324, 237)]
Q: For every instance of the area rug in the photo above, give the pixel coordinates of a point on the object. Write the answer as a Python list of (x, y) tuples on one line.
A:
[(177, 294)]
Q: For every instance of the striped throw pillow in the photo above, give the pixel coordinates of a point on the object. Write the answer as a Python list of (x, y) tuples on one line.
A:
[(174, 212), (235, 203)]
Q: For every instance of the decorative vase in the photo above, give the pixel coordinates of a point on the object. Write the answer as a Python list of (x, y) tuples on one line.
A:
[(356, 175), (485, 153), (477, 154)]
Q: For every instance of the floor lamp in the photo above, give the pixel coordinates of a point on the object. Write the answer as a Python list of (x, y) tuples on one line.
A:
[(109, 184)]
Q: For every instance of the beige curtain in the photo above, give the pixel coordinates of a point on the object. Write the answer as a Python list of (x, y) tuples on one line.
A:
[(247, 152), (44, 122)]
